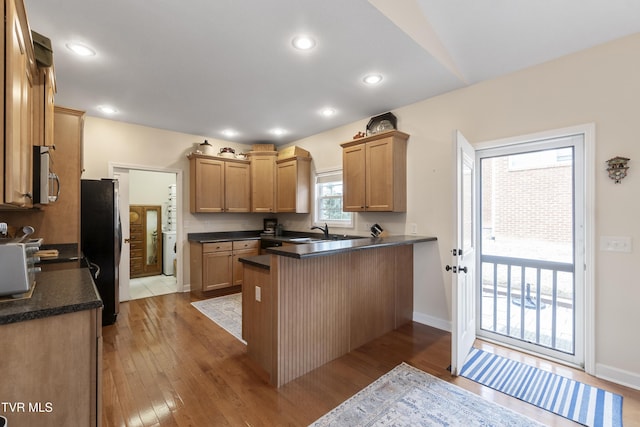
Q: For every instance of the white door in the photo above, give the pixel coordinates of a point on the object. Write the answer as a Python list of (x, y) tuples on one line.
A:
[(463, 257), (122, 175)]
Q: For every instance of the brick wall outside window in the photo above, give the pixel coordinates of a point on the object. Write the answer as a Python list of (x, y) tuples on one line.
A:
[(531, 204)]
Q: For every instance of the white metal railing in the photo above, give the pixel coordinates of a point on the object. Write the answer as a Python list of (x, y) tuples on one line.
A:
[(530, 300)]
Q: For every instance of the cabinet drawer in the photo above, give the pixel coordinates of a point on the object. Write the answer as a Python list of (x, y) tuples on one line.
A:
[(246, 244), (216, 247)]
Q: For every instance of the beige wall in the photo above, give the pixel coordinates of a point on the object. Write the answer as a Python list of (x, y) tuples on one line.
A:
[(600, 86)]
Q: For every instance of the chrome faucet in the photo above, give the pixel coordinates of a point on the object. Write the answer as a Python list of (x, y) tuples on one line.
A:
[(325, 230)]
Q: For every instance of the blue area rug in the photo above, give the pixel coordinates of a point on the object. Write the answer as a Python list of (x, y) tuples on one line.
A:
[(571, 399)]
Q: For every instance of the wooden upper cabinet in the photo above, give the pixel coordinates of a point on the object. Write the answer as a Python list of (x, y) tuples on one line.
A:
[(293, 184), (43, 111), (375, 173), (218, 185), (263, 181), (354, 180), (20, 72), (206, 184), (237, 187)]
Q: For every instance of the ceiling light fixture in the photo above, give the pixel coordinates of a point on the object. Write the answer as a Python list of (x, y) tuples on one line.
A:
[(303, 42), (107, 109), (328, 112), (80, 49), (278, 131), (372, 79), (229, 133)]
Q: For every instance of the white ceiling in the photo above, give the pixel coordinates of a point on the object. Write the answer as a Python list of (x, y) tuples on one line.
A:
[(202, 66)]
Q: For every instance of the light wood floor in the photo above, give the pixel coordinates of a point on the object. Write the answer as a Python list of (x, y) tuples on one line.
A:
[(166, 364)]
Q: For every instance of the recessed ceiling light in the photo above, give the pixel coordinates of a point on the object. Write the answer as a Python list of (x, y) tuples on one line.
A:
[(328, 112), (372, 79), (303, 42), (80, 49), (107, 109), (229, 133), (278, 131)]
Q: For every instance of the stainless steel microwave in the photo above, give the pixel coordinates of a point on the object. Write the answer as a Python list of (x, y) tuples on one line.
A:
[(46, 184)]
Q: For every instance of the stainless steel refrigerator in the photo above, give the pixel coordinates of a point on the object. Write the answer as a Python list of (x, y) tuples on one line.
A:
[(101, 240)]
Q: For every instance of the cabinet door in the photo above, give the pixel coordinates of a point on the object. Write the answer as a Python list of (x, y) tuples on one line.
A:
[(237, 187), (18, 113), (353, 175), (207, 188), (43, 111), (379, 175), (287, 174), (238, 266), (217, 270), (263, 190)]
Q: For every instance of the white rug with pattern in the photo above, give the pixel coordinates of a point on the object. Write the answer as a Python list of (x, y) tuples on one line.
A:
[(226, 311), (407, 396)]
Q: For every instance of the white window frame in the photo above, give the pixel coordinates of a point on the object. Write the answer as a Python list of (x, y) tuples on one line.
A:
[(318, 175)]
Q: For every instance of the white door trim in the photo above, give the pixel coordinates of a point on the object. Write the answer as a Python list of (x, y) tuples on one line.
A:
[(589, 131), (179, 205)]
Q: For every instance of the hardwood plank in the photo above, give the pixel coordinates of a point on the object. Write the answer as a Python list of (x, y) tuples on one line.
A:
[(166, 364)]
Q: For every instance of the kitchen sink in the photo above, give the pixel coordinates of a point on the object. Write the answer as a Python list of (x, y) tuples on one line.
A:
[(304, 239)]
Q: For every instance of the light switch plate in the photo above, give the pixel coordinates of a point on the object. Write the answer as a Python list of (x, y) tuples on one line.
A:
[(615, 243)]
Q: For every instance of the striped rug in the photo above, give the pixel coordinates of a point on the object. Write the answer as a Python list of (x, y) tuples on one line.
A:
[(571, 399)]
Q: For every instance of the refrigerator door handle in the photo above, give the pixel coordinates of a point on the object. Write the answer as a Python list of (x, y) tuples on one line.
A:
[(96, 267)]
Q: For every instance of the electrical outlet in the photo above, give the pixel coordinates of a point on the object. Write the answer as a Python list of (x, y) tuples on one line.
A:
[(413, 228), (258, 293), (615, 243)]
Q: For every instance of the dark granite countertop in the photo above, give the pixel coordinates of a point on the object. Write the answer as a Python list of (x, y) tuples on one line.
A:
[(223, 236), (56, 292), (261, 261), (67, 252), (341, 246)]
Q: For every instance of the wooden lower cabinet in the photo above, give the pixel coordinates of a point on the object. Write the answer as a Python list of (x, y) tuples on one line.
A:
[(243, 248), (61, 358), (216, 266)]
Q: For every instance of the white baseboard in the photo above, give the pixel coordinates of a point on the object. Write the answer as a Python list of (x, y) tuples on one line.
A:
[(618, 376), (434, 322)]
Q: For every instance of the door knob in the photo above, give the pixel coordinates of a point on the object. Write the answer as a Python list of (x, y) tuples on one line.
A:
[(462, 269), (452, 269)]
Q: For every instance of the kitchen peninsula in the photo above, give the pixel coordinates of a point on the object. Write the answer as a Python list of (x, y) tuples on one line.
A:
[(305, 305)]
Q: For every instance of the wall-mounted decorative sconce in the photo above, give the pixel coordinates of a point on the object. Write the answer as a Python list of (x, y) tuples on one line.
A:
[(617, 168)]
